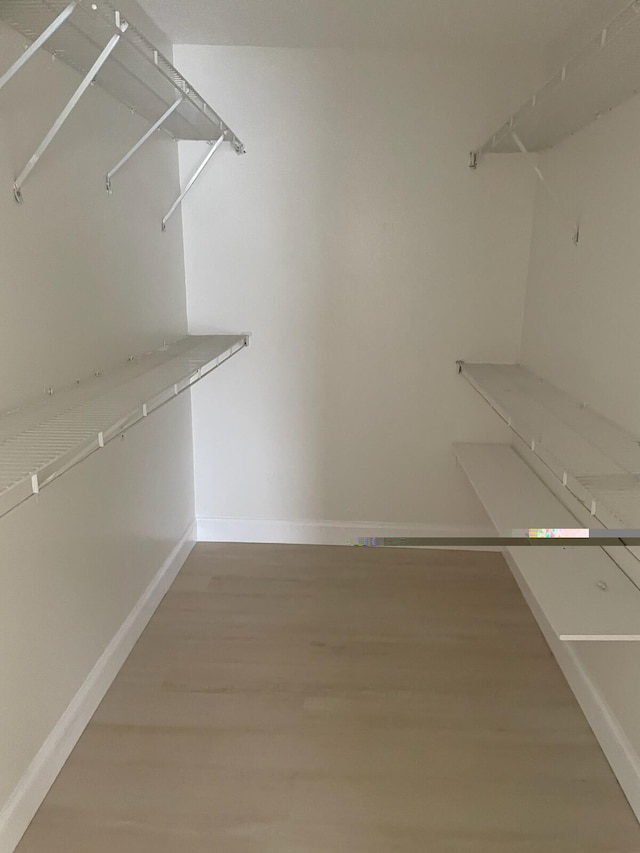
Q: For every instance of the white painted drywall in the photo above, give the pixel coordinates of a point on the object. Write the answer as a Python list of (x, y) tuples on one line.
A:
[(427, 25), (87, 279), (583, 302), (365, 258), (582, 318)]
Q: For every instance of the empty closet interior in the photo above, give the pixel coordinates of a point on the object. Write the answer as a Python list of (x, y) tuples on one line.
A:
[(409, 263)]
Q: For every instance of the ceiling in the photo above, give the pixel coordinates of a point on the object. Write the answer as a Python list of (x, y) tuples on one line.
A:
[(487, 25)]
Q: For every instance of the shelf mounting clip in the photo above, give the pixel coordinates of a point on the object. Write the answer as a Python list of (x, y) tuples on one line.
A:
[(212, 150), (64, 115), (142, 140)]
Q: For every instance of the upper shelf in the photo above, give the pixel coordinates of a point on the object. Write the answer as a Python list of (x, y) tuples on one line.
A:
[(601, 76), (598, 461), (137, 74), (40, 441)]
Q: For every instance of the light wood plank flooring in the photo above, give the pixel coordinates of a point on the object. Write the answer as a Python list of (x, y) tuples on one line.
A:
[(294, 699)]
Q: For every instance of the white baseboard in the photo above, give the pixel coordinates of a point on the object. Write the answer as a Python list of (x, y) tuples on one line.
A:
[(621, 755), (25, 800), (323, 532), (31, 790)]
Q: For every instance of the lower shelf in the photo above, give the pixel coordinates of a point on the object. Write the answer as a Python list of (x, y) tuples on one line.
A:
[(41, 441), (582, 592), (594, 458)]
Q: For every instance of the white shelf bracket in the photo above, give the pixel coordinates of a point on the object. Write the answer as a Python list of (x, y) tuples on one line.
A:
[(192, 180), (55, 127), (575, 227), (34, 46), (141, 141)]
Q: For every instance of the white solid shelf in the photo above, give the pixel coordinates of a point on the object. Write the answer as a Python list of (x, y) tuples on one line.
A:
[(594, 458), (42, 440), (136, 74), (600, 77), (581, 591)]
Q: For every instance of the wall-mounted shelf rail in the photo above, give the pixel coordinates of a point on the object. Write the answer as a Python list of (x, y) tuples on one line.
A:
[(42, 440), (604, 74), (594, 458), (94, 39), (581, 591)]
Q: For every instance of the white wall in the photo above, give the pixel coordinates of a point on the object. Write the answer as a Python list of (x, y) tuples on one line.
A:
[(87, 279), (582, 319), (583, 302), (365, 258)]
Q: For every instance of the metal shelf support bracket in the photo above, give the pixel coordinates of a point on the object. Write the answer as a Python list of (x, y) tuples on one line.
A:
[(214, 147), (575, 227), (141, 141), (55, 127), (34, 46)]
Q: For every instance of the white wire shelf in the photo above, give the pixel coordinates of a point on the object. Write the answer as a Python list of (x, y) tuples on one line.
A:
[(580, 590), (604, 74), (137, 74), (594, 458), (42, 440)]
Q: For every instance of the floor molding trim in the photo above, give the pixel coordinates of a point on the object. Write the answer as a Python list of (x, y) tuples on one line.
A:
[(621, 755), (323, 532), (18, 811)]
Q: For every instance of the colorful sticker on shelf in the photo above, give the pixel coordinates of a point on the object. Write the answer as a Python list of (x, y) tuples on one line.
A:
[(558, 533)]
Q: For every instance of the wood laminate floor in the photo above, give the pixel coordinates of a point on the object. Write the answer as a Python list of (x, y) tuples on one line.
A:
[(294, 699)]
